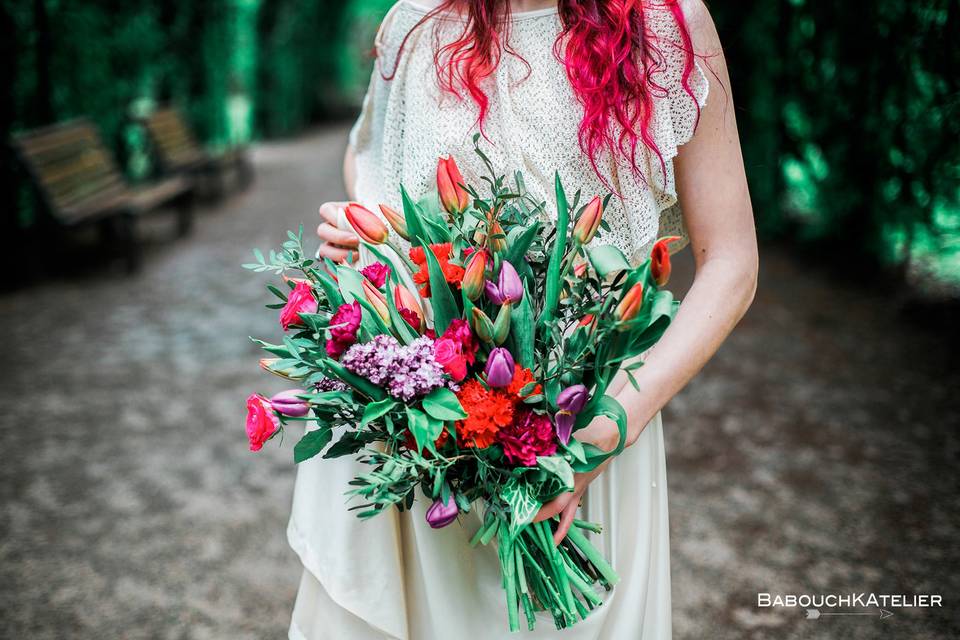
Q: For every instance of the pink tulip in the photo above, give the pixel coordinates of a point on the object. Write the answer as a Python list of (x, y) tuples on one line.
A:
[(589, 221), (404, 300), (397, 221), (368, 226), (376, 300), (453, 196)]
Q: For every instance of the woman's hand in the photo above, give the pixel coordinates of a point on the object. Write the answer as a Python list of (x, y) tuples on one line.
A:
[(603, 433), (336, 244)]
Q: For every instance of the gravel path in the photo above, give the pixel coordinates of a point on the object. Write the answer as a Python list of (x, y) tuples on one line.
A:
[(817, 453)]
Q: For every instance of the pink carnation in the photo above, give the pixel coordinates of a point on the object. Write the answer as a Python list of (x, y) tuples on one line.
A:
[(459, 331), (301, 300), (377, 273), (528, 436), (262, 422), (343, 328)]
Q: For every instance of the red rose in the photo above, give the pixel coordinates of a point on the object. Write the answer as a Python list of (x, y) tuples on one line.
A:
[(449, 354), (262, 422), (301, 300)]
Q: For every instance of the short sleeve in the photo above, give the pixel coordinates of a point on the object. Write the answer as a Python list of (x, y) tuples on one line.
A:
[(360, 131)]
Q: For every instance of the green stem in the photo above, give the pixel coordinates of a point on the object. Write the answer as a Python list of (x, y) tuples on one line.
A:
[(594, 556)]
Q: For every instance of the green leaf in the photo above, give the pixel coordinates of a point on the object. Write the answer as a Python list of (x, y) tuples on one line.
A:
[(442, 404), (362, 385), (348, 444), (557, 466), (376, 410), (523, 331), (611, 408), (311, 444), (523, 506), (412, 217), (552, 294), (607, 259), (518, 242), (575, 449), (425, 431), (441, 298), (329, 287)]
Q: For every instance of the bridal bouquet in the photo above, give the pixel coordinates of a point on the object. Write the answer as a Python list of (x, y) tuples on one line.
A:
[(464, 366)]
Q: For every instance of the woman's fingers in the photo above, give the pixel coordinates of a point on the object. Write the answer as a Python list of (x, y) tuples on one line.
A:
[(332, 235), (566, 518), (336, 253), (552, 508)]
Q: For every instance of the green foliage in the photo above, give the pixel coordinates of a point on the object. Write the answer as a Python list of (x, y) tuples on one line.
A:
[(850, 121)]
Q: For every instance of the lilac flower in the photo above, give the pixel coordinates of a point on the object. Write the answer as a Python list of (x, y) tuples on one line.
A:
[(406, 372), (331, 384)]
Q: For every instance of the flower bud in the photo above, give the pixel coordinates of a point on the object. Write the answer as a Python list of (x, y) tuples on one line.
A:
[(404, 299), (563, 425), (660, 260), (500, 368), (368, 226), (474, 275), (453, 196), (270, 366), (440, 515), (580, 269), (630, 304), (589, 221), (497, 240), (481, 325), (376, 300), (501, 328), (289, 404), (586, 320), (397, 221), (573, 398)]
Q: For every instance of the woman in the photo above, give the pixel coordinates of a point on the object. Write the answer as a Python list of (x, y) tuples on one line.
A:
[(606, 92)]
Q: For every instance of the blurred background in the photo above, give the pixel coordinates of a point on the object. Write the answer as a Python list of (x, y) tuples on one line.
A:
[(817, 453)]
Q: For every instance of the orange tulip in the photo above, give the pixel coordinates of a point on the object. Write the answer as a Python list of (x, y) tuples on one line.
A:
[(630, 304), (585, 320), (368, 226), (660, 260), (453, 196), (397, 221), (376, 300), (474, 275), (589, 221), (403, 299), (497, 240)]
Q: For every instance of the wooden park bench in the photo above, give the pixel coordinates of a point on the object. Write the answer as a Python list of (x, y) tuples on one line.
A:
[(78, 184), (178, 151)]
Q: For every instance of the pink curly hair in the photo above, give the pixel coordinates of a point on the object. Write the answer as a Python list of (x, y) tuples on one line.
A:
[(610, 56)]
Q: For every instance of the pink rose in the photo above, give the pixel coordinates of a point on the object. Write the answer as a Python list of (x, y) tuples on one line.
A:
[(449, 354), (301, 300), (343, 328), (262, 422), (377, 273)]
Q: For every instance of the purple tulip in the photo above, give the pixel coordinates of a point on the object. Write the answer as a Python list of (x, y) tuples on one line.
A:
[(288, 404), (573, 398), (570, 402), (563, 422), (499, 368), (440, 515), (509, 288)]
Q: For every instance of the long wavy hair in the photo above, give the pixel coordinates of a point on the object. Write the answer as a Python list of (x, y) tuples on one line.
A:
[(610, 55)]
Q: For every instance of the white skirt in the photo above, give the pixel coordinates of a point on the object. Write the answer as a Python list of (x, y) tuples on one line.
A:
[(393, 577)]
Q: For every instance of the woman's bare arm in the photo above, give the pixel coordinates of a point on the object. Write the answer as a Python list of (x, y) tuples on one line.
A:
[(712, 189)]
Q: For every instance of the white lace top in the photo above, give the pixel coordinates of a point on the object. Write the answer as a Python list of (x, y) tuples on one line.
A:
[(406, 123)]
